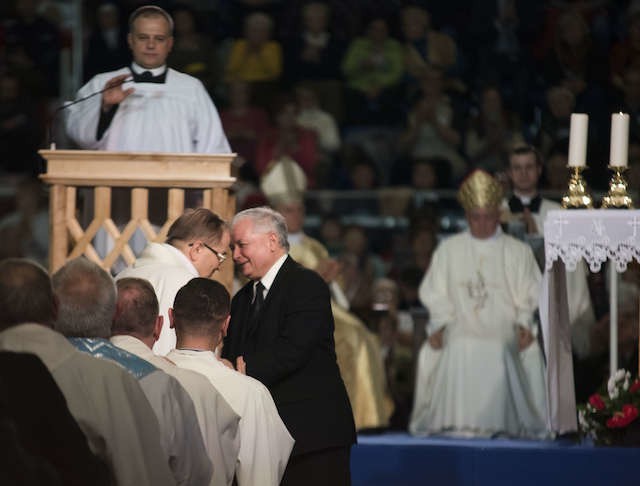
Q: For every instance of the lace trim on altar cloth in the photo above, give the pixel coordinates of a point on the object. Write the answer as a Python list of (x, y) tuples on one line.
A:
[(595, 235)]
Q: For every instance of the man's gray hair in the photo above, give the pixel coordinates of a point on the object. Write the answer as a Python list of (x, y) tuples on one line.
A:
[(87, 297), (265, 220)]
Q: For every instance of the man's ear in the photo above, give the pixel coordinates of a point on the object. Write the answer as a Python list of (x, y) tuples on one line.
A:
[(192, 252), (225, 326), (157, 327), (171, 318)]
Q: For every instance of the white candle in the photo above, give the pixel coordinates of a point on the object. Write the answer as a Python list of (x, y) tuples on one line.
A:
[(619, 139), (578, 140)]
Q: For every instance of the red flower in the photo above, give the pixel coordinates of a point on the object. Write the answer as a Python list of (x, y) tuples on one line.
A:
[(621, 419), (596, 401), (635, 387)]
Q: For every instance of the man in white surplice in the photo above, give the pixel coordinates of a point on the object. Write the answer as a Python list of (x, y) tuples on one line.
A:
[(159, 110), (480, 373), (200, 316), (135, 328), (196, 246)]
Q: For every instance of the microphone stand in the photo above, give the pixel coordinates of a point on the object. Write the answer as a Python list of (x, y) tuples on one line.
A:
[(52, 144)]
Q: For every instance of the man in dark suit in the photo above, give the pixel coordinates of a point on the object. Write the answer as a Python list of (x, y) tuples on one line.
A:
[(281, 333)]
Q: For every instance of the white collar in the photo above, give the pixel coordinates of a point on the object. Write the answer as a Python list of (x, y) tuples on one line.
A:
[(192, 269), (270, 276), (136, 68)]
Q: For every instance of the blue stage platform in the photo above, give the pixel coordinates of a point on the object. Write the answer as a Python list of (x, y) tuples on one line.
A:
[(402, 460)]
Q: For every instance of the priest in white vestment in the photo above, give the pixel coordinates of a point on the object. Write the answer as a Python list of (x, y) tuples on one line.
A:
[(200, 316), (106, 401), (147, 106), (480, 373), (87, 305), (135, 328), (196, 246)]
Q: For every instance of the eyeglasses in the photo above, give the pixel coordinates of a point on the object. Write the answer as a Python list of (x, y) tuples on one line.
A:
[(220, 256)]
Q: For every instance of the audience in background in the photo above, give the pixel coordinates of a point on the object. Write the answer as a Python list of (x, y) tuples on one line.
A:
[(373, 66), (464, 83), (194, 51), (107, 48)]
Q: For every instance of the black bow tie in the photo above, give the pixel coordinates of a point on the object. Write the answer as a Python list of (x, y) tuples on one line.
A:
[(148, 77), (516, 206)]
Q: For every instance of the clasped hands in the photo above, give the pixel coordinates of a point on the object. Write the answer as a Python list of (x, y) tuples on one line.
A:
[(524, 336)]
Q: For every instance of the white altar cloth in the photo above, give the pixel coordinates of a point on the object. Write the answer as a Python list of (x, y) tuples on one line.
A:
[(571, 235)]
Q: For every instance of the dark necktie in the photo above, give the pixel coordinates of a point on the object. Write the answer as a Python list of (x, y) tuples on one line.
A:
[(148, 77), (258, 301)]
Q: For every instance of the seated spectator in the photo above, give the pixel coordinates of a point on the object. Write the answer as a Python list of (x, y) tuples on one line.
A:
[(363, 178), (313, 56), (332, 233), (577, 63), (425, 47), (49, 434), (498, 37), (288, 138), (315, 52), (312, 117), (373, 66), (39, 40), (432, 127), (200, 316), (360, 267), (243, 122), (556, 118), (107, 48), (193, 51), (106, 401), (491, 133), (87, 305), (256, 57), (135, 329)]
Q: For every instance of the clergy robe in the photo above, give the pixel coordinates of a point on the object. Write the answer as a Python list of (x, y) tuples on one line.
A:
[(179, 429), (265, 442), (218, 422), (175, 116), (479, 383), (168, 270), (581, 314), (358, 350), (106, 401)]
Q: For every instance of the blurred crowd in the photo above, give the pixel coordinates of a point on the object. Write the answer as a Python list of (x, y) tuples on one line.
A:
[(388, 96)]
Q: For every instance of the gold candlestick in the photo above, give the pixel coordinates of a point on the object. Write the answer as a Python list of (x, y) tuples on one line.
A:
[(577, 196), (617, 197)]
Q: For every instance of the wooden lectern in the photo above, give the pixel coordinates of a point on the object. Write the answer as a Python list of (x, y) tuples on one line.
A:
[(68, 170)]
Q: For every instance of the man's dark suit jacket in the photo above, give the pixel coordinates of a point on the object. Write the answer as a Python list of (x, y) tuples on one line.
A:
[(291, 350)]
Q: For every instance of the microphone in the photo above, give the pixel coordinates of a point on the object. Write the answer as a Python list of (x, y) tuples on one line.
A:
[(64, 106)]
